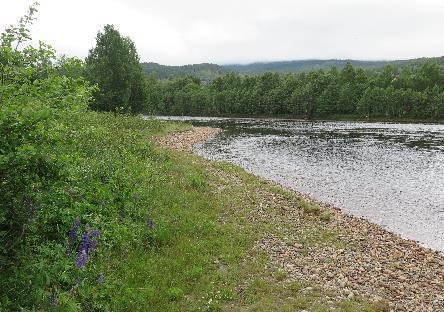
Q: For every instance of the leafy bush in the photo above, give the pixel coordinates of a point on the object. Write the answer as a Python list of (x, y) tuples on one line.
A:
[(61, 177)]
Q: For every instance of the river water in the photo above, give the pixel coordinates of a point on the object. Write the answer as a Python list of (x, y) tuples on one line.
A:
[(391, 174)]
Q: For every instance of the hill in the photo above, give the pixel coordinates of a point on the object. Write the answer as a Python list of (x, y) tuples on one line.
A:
[(305, 65), (204, 71), (207, 71)]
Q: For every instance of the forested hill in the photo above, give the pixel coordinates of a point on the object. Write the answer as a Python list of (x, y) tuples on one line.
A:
[(307, 65), (204, 71), (207, 71)]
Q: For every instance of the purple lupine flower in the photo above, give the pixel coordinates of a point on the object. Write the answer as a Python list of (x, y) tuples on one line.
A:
[(101, 279), (81, 259), (53, 298), (93, 246), (86, 240), (73, 231), (83, 250), (95, 236), (149, 223), (95, 233), (72, 235)]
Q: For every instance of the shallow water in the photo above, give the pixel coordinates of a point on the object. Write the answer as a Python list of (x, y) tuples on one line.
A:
[(391, 174)]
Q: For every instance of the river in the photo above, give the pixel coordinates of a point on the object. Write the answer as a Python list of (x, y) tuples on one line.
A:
[(391, 174)]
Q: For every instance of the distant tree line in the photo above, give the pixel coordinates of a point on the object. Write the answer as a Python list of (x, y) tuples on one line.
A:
[(415, 92)]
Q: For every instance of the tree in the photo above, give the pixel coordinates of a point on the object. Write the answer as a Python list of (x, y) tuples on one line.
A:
[(114, 66), (385, 78)]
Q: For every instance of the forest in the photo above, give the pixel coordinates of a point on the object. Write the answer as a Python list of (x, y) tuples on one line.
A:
[(413, 92)]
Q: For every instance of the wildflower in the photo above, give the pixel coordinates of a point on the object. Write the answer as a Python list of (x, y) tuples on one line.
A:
[(86, 240), (149, 223), (81, 259), (101, 279), (136, 198), (95, 233), (93, 245), (84, 247), (53, 298), (72, 235)]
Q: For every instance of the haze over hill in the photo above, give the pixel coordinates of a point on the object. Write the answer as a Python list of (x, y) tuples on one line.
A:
[(207, 71)]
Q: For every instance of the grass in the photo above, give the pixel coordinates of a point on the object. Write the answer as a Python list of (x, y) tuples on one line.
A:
[(199, 255)]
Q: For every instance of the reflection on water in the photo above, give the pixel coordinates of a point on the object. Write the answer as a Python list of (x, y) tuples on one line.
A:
[(391, 174)]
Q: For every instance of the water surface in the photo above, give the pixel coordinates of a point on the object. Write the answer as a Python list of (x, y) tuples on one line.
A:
[(391, 174)]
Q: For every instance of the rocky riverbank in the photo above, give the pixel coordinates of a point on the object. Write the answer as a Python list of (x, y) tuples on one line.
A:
[(348, 256), (184, 141), (362, 260)]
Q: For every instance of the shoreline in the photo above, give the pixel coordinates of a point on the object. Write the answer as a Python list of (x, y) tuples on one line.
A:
[(370, 260), (324, 119), (185, 141)]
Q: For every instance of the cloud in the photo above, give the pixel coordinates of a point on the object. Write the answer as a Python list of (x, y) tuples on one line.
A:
[(194, 31)]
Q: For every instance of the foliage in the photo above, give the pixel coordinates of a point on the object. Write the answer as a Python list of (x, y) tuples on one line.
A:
[(114, 66), (414, 92)]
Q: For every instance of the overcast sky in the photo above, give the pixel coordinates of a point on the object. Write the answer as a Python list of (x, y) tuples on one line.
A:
[(180, 32)]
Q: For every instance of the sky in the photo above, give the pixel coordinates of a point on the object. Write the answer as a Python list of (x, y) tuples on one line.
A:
[(178, 32)]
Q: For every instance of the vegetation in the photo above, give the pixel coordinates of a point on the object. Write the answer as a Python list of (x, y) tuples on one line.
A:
[(414, 93), (208, 72), (113, 65)]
